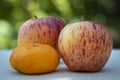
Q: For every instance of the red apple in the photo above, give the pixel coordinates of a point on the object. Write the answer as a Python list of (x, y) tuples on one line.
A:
[(85, 46), (40, 30)]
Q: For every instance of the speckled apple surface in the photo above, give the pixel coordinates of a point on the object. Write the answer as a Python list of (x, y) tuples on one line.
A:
[(40, 30), (85, 46)]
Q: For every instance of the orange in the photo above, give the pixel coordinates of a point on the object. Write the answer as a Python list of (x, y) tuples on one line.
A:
[(34, 58)]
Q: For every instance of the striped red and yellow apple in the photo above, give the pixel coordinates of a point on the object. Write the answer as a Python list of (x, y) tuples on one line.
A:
[(85, 46), (40, 30)]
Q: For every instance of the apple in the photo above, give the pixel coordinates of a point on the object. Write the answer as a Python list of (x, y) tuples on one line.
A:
[(40, 30), (85, 46)]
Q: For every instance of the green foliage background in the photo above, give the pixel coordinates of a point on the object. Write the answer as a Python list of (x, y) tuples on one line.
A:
[(14, 12)]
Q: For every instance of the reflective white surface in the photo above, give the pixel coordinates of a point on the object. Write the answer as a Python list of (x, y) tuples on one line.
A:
[(111, 70)]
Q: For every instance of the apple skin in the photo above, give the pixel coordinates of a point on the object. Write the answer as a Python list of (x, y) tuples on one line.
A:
[(40, 30), (85, 46)]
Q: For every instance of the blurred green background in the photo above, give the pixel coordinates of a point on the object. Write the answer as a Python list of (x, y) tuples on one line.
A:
[(14, 12)]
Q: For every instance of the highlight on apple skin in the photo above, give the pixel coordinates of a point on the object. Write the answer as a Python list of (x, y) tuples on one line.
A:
[(85, 46), (40, 30)]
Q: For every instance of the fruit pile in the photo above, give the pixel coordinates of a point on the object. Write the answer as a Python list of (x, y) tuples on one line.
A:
[(83, 46)]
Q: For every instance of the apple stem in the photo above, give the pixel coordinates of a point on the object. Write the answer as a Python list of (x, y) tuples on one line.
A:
[(35, 17), (82, 18)]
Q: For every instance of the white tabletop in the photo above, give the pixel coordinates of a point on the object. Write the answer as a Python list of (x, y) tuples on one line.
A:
[(111, 70)]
